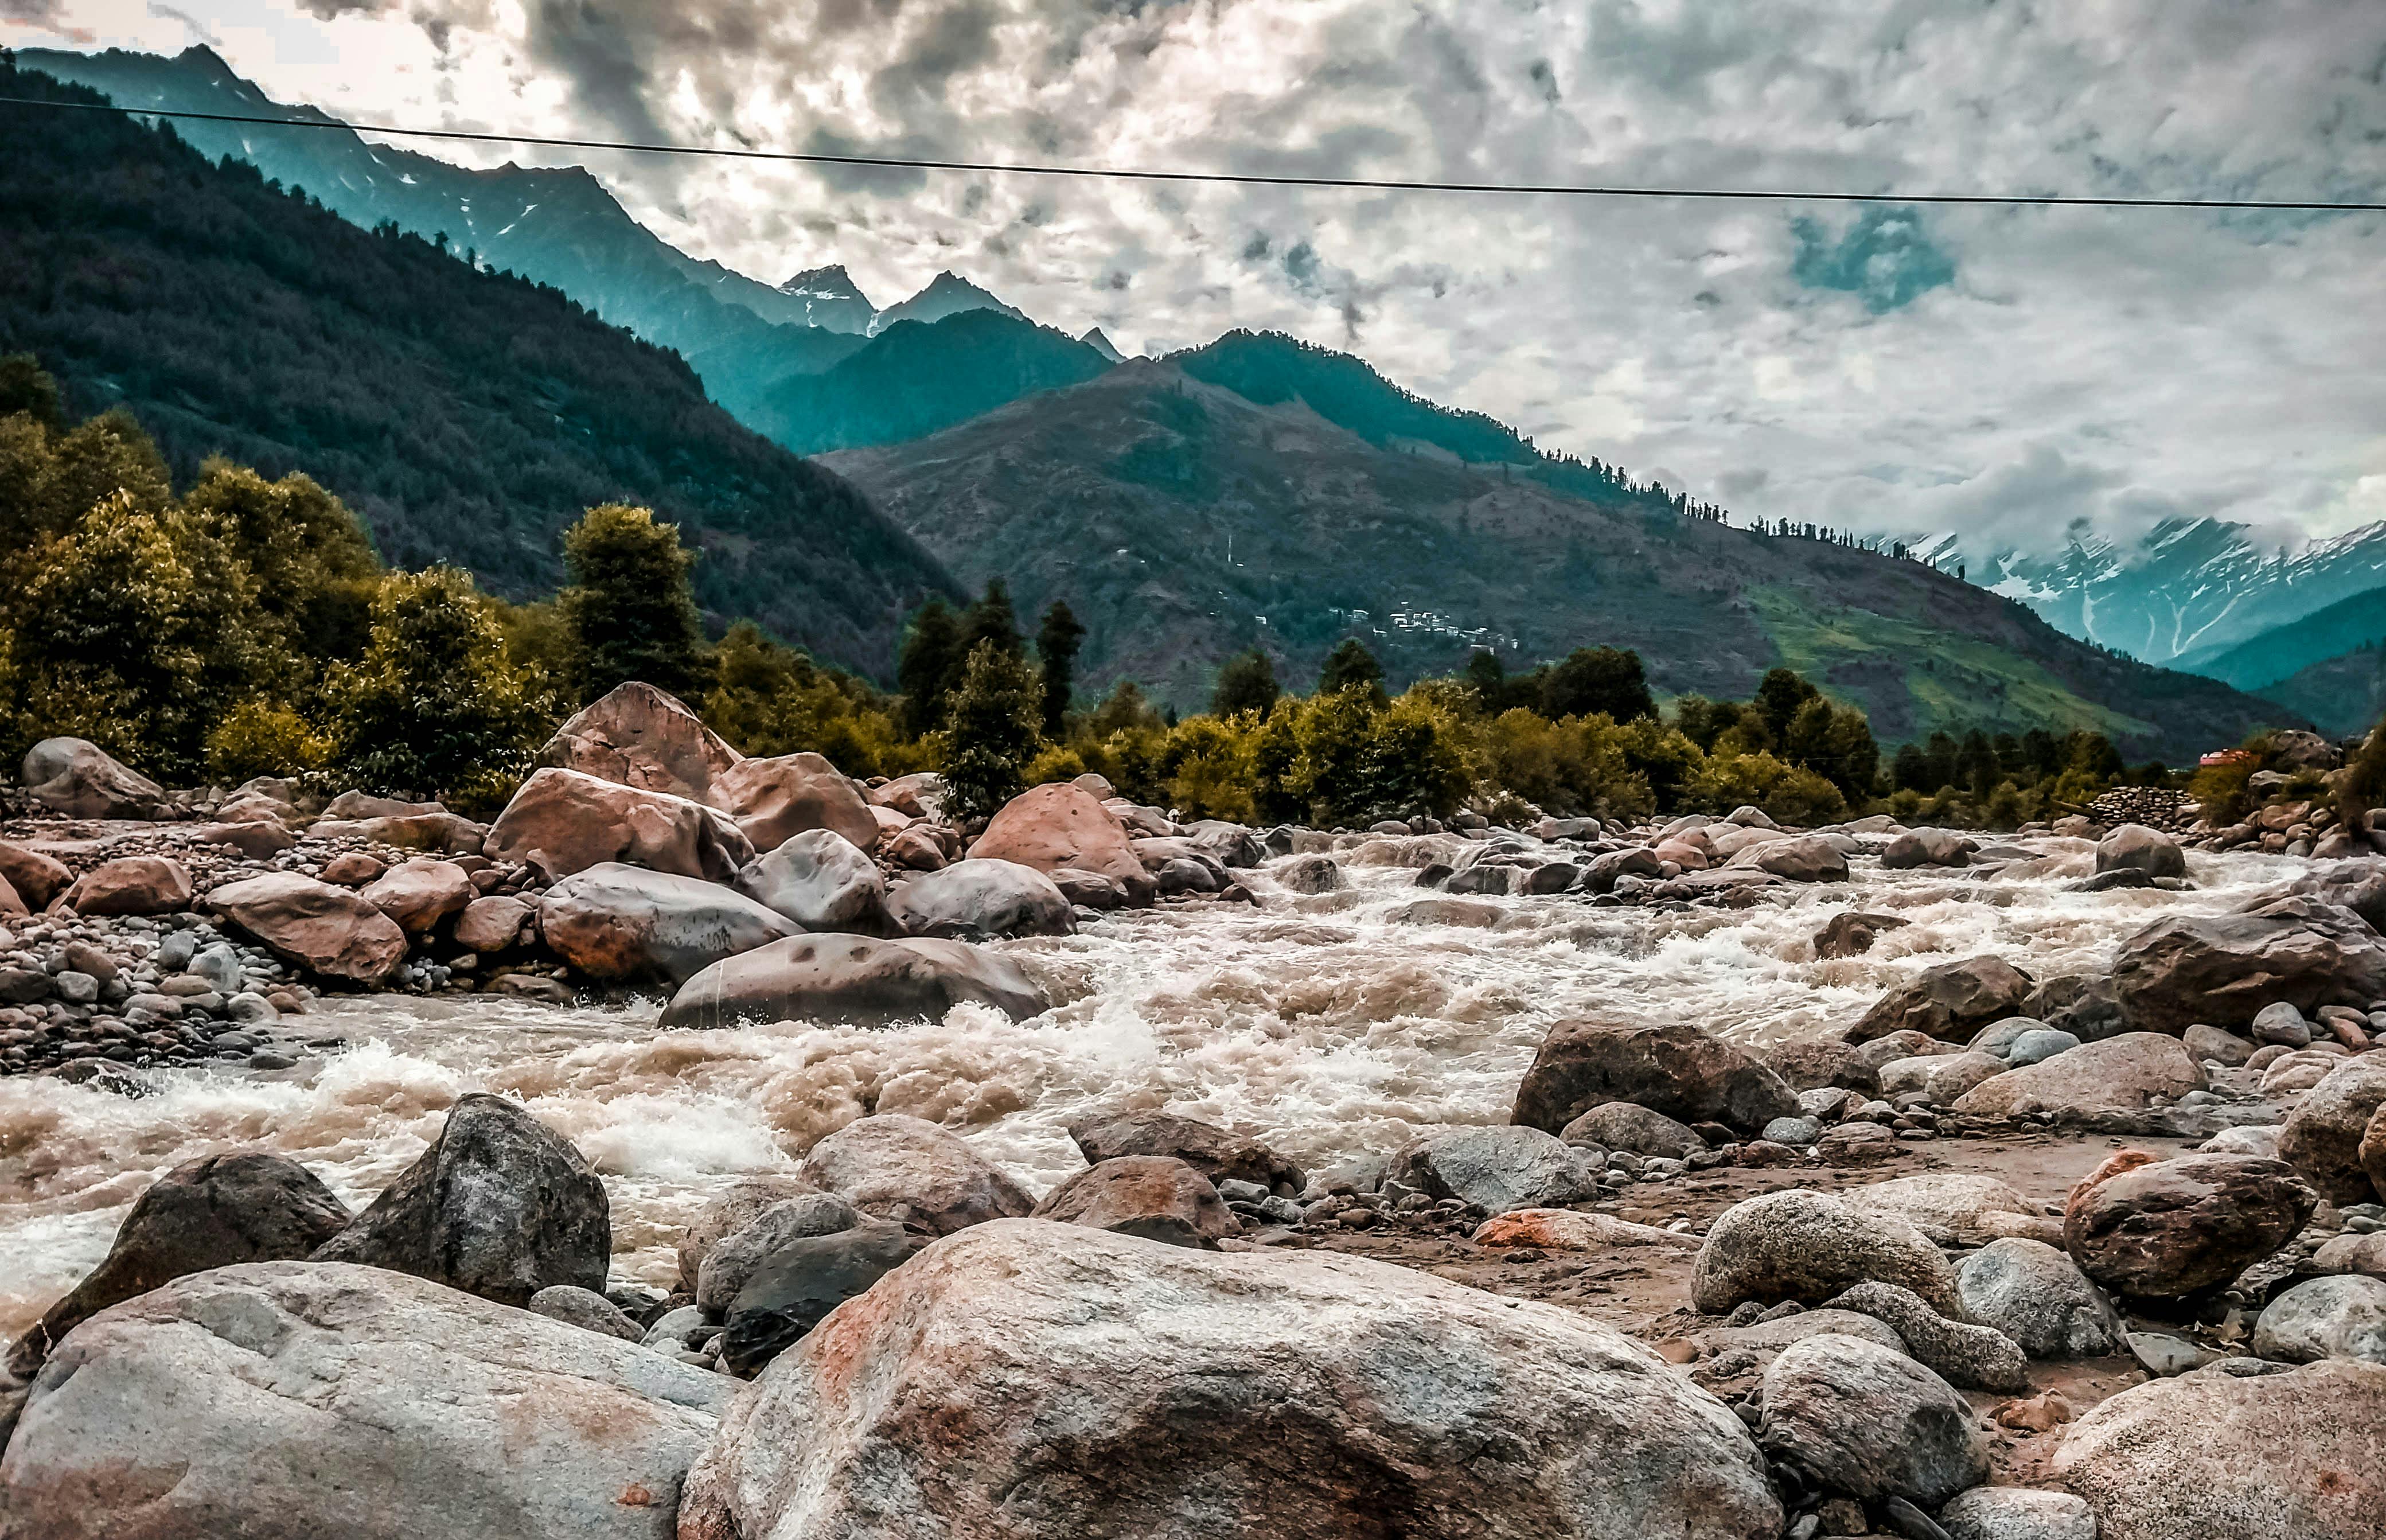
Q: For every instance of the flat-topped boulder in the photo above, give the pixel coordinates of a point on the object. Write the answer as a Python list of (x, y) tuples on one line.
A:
[(620, 923), (853, 979), (132, 884), (637, 735), (1061, 825), (331, 932), (562, 821), (2124, 1072)]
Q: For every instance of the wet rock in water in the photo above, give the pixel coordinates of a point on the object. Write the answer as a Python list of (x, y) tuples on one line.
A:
[(1977, 1358), (909, 1170), (853, 979), (288, 1400), (730, 1262), (37, 878), (329, 930), (1310, 874), (1627, 1125), (637, 735), (1673, 1068), (419, 894), (2207, 1043), (1496, 1170), (1811, 1246), (2036, 1295), (1062, 825), (2294, 1456), (823, 882), (586, 1309), (2135, 847), (613, 921), (1155, 1196), (796, 1286), (79, 778), (562, 821), (132, 884), (2224, 968), (2124, 1072), (1921, 847), (247, 1206), (1030, 1380), (1870, 1423), (1851, 934), (2165, 1229), (734, 1208), (1565, 1230), (499, 1206), (2018, 1513), (2341, 1317), (773, 800), (2321, 1138), (1955, 1204), (1809, 859), (1218, 1154), (1950, 1002), (978, 898), (492, 925)]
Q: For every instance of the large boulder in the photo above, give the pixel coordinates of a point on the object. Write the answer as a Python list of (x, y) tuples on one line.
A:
[(980, 898), (626, 922), (1061, 825), (2124, 1072), (637, 735), (2342, 1317), (1156, 1196), (493, 924), (37, 878), (823, 882), (1809, 859), (132, 884), (1497, 1169), (1921, 847), (2037, 1295), (2135, 847), (1218, 1154), (909, 1170), (1811, 1246), (730, 1262), (2358, 885), (855, 979), (331, 931), (499, 1206), (81, 780), (562, 821), (1025, 1380), (2321, 1138), (2223, 968), (1870, 1423), (294, 1401), (417, 895), (2165, 1229), (2294, 1456), (1689, 1075), (798, 1284), (728, 1211), (773, 800), (247, 1206), (1950, 1002)]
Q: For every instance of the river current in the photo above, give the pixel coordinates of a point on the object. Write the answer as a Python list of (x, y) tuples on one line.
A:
[(1333, 1024)]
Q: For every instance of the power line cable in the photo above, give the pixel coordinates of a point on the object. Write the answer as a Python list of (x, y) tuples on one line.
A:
[(1248, 179)]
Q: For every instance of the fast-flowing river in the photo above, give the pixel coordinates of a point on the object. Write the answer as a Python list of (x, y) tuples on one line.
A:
[(1330, 1023)]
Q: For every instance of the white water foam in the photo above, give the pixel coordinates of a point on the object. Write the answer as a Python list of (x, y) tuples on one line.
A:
[(1323, 1022)]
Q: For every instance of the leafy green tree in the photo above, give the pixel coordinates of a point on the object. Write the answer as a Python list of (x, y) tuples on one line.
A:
[(631, 607), (48, 479), (1246, 682), (1057, 640), (433, 707), (1332, 773), (1836, 743), (1779, 698), (929, 667), (316, 572), (1415, 762), (770, 699), (26, 387), (1606, 681), (1351, 667), (990, 732)]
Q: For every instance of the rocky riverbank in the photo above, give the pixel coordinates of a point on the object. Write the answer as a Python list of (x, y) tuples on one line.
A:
[(1090, 1169)]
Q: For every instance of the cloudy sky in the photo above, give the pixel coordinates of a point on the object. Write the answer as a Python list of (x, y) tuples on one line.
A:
[(2005, 372)]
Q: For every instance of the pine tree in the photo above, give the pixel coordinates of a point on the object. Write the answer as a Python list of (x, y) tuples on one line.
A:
[(1057, 640), (1351, 666), (990, 731), (631, 609), (928, 669), (993, 620)]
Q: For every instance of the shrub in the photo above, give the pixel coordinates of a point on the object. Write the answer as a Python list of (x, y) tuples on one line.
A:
[(257, 737), (990, 731)]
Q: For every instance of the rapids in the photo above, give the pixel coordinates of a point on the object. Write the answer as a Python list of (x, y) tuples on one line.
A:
[(1328, 1023)]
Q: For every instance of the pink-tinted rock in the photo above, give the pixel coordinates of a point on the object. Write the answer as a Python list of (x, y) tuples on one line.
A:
[(562, 821), (36, 877), (326, 930), (352, 869), (637, 735), (82, 780), (1061, 825), (132, 884), (419, 893), (2162, 1229), (1155, 1196), (491, 924), (773, 800)]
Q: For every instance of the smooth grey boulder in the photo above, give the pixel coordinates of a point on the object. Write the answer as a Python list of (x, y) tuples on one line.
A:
[(1497, 1169), (1809, 1246), (728, 1211), (79, 778), (500, 1206), (247, 1206), (906, 1168), (1921, 847), (2135, 847), (798, 1284), (2321, 1138), (300, 1400), (2018, 1513), (2338, 1317), (2203, 1042), (732, 1261), (1976, 1358), (1870, 1423), (2037, 1047), (852, 979), (976, 899), (1625, 1125), (2035, 1293), (620, 922), (2280, 1022), (586, 1309), (821, 881), (1030, 1380)]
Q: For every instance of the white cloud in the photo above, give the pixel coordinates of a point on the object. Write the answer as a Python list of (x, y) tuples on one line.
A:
[(2016, 367)]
